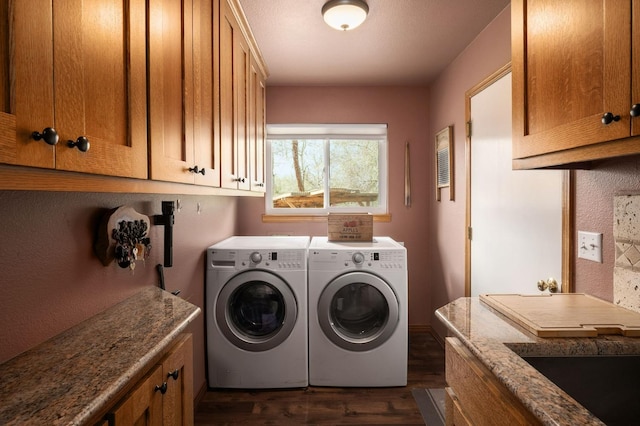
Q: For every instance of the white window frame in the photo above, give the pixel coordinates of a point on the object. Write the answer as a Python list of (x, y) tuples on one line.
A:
[(327, 132)]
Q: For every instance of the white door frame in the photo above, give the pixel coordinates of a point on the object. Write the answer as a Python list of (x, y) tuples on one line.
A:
[(567, 197)]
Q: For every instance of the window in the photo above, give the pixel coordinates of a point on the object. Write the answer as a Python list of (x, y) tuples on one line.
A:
[(321, 168)]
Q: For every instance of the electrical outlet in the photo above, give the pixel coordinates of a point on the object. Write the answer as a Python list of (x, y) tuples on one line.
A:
[(590, 246)]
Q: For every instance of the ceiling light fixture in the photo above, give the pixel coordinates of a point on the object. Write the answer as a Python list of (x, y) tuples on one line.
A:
[(345, 15)]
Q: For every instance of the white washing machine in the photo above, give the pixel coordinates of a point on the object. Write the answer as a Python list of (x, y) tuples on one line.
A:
[(256, 313), (358, 332)]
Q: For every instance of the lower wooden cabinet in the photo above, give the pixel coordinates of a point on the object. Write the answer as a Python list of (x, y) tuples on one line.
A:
[(143, 406), (165, 395), (474, 396), (453, 411)]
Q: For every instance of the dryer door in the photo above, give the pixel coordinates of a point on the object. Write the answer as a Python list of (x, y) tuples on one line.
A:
[(256, 310), (358, 311)]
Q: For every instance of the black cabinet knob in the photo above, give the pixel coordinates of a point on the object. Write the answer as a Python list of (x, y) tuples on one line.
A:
[(49, 135), (82, 143), (195, 169), (609, 118), (635, 110), (174, 374), (162, 388)]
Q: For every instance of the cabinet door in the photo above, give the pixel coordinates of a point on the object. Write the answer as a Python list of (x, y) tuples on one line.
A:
[(165, 395), (256, 127), (26, 86), (473, 388), (234, 66), (100, 85), (170, 85), (241, 57), (177, 406), (635, 75), (228, 25), (143, 405), (571, 65), (206, 131), (7, 120), (454, 414), (79, 68)]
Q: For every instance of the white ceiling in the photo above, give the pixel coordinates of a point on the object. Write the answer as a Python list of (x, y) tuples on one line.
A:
[(402, 42)]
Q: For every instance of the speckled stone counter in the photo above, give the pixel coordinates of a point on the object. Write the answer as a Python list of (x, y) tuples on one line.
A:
[(499, 344), (74, 377)]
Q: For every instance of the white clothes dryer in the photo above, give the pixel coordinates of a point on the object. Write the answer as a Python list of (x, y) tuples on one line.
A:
[(358, 332), (256, 313)]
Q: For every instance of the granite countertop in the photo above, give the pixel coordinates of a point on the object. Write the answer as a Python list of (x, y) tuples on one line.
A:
[(74, 377), (499, 344)]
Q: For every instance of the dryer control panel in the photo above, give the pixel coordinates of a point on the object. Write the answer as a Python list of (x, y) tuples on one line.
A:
[(365, 259), (263, 258)]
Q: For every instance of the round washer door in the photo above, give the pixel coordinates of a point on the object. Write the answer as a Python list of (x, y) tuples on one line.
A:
[(358, 311), (256, 310)]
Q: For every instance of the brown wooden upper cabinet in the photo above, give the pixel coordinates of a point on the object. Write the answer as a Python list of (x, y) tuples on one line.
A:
[(182, 134), (257, 124), (78, 68), (133, 88), (234, 91), (576, 81), (206, 48), (200, 93)]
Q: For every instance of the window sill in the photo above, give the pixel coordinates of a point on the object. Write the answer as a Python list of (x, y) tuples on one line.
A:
[(281, 218)]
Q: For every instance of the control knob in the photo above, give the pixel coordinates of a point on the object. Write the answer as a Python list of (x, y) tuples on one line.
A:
[(256, 257), (358, 258)]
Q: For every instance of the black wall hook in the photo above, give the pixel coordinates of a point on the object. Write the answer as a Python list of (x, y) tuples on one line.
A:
[(167, 219)]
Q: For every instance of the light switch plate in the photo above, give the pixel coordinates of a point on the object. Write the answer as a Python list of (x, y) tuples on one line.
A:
[(590, 246)]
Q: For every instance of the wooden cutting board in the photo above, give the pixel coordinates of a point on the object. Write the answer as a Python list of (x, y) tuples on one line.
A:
[(565, 314)]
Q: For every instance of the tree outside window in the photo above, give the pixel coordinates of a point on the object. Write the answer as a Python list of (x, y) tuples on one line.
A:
[(337, 172)]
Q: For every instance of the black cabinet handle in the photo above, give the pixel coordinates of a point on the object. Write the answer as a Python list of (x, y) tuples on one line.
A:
[(239, 180), (49, 135), (609, 118), (175, 373), (195, 169), (162, 388), (635, 110), (82, 143)]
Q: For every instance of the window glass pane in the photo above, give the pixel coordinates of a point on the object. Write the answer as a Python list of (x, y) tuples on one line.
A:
[(298, 173), (354, 173), (321, 168)]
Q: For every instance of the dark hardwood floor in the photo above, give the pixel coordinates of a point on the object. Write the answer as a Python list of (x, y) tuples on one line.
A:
[(331, 406)]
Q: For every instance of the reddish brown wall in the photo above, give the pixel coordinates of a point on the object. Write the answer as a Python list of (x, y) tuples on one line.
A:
[(405, 110), (595, 189), (486, 54), (50, 278)]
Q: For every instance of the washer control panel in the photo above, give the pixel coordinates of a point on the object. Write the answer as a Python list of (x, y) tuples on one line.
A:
[(263, 258)]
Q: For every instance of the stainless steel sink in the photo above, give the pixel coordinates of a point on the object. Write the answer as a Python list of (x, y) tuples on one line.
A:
[(608, 386)]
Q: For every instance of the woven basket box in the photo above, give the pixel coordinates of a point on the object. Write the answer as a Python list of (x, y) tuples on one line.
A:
[(350, 227)]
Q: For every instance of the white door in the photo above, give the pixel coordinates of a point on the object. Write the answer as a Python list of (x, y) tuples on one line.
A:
[(515, 215)]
